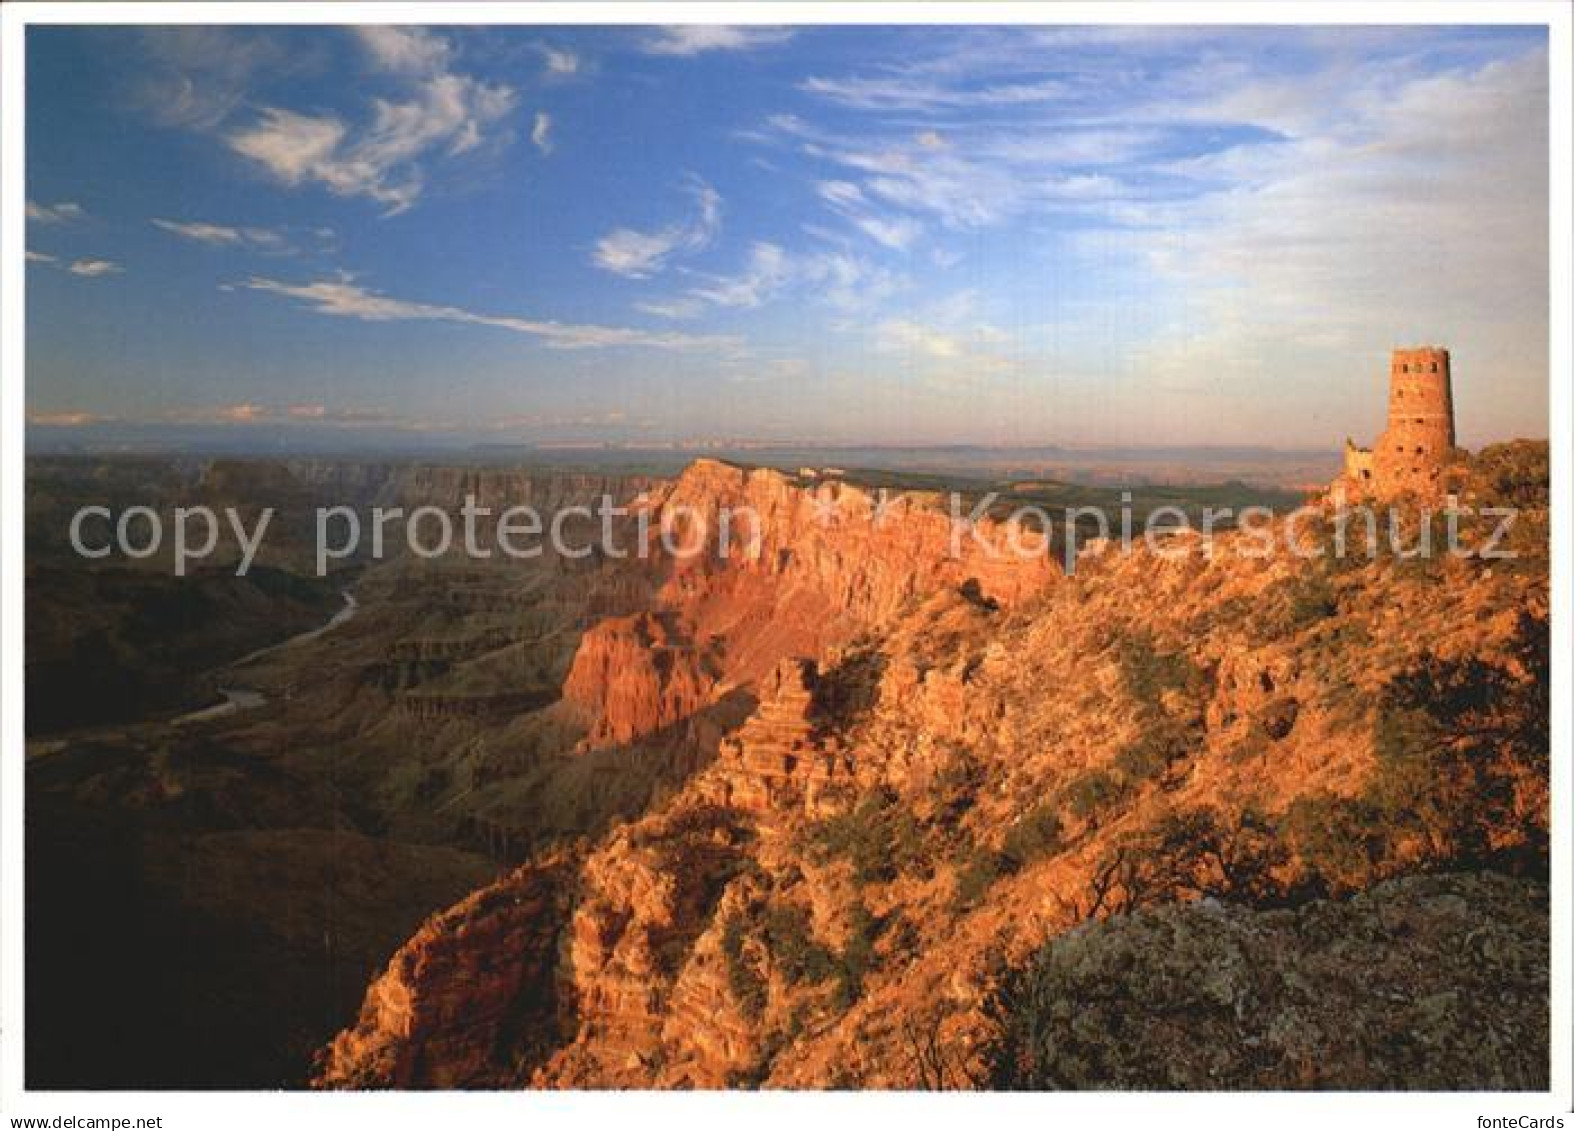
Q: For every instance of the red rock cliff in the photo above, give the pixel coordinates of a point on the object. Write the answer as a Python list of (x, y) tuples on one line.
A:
[(755, 569)]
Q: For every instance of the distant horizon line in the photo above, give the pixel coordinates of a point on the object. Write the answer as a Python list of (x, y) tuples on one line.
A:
[(59, 439)]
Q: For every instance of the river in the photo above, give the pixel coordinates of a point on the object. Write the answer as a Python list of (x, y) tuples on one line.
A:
[(247, 698)]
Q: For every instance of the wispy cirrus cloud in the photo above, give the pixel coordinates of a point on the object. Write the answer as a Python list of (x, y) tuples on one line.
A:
[(638, 254), (239, 413), (343, 298), (94, 268), (63, 212), (251, 412), (1362, 229), (195, 77), (559, 63), (950, 334), (912, 93), (893, 231), (85, 268), (225, 235), (697, 39), (972, 175), (439, 113), (405, 51), (676, 308), (67, 419), (846, 282), (541, 133)]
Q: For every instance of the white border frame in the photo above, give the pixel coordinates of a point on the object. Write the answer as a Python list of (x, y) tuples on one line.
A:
[(398, 1110)]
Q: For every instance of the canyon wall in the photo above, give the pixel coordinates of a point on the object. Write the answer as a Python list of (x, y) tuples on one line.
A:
[(752, 569), (934, 778)]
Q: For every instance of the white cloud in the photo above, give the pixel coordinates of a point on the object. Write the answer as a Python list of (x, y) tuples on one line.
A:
[(342, 298), (976, 175), (541, 132), (85, 268), (893, 231), (94, 268), (1368, 229), (635, 255), (298, 147), (201, 232), (639, 255), (696, 39), (919, 94), (842, 194), (64, 212), (768, 271), (63, 419), (896, 233), (254, 412), (440, 113), (677, 308), (223, 235), (900, 335), (404, 50), (843, 281), (195, 77), (560, 62), (949, 331)]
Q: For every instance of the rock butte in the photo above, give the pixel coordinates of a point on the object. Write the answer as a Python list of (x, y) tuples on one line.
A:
[(830, 561)]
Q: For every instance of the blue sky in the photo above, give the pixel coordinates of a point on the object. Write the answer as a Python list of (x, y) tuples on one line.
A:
[(902, 235)]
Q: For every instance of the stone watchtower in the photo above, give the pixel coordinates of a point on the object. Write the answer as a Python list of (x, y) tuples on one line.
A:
[(1419, 439)]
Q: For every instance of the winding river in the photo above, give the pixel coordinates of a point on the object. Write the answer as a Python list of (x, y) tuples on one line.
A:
[(247, 698)]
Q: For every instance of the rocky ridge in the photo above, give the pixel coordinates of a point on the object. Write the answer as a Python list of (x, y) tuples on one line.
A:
[(940, 781)]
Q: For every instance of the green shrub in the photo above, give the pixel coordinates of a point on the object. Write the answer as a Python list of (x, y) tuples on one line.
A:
[(743, 982), (791, 940), (1035, 835), (1452, 737), (1161, 742), (976, 873), (1516, 474), (1148, 673), (1293, 604), (1167, 733), (1341, 841), (1185, 854), (879, 837), (857, 956), (1456, 742), (1089, 794)]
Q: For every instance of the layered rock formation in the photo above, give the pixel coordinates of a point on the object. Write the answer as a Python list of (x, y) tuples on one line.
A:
[(475, 984), (754, 569), (639, 674), (935, 778), (777, 761)]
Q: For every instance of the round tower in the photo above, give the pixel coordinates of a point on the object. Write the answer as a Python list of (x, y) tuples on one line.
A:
[(1420, 433)]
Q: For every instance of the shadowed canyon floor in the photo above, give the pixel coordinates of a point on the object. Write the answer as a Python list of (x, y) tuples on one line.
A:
[(803, 819)]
